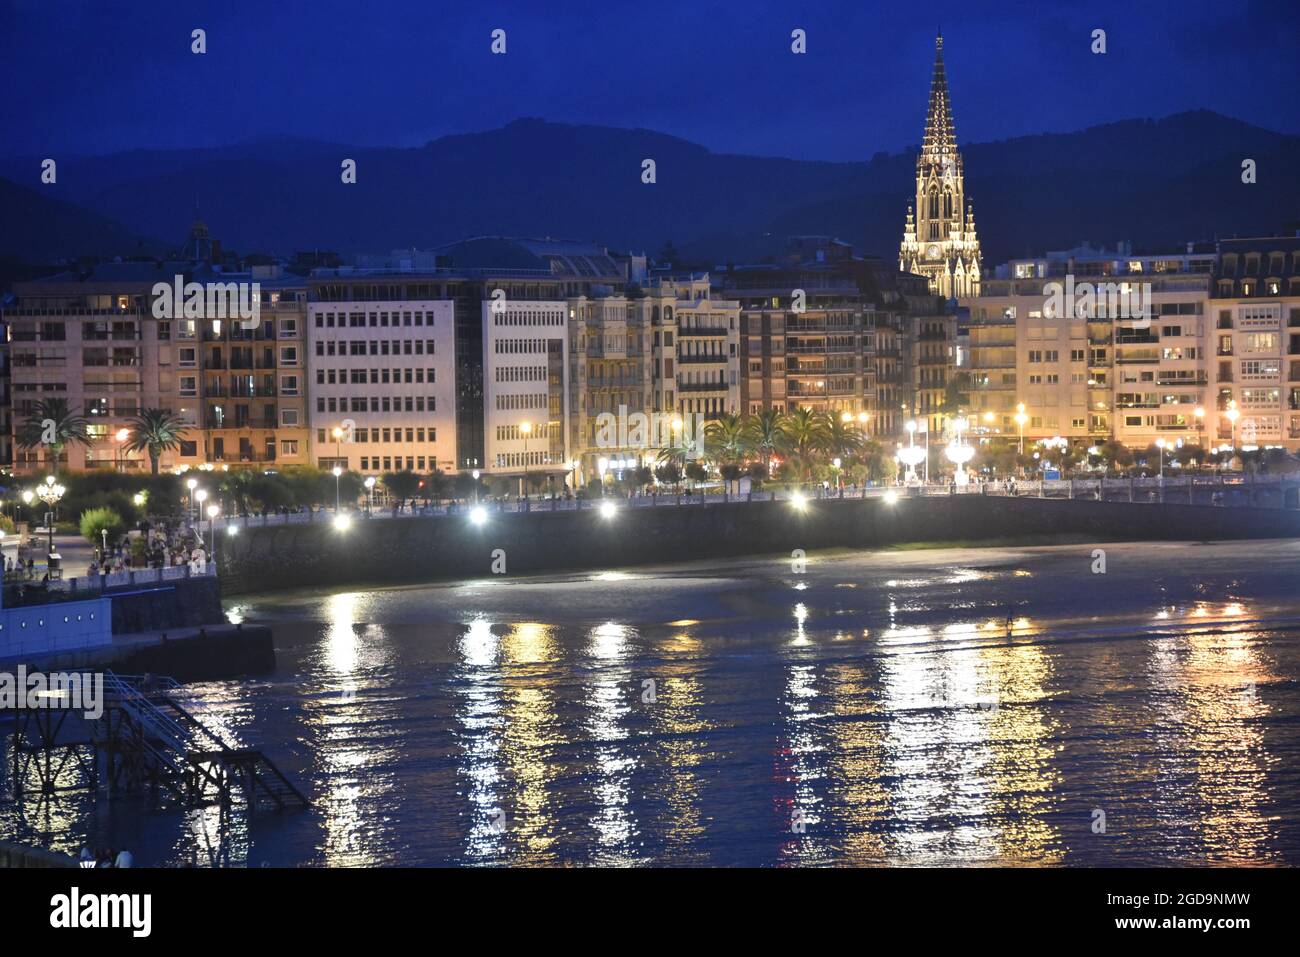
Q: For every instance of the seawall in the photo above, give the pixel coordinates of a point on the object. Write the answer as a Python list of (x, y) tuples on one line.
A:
[(419, 549)]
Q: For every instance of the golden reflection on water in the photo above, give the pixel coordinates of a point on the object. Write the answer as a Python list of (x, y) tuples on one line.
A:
[(681, 732), (355, 822), (528, 735), (607, 710), (1211, 753)]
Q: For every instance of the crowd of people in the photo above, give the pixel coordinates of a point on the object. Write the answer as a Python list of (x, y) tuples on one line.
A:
[(105, 857)]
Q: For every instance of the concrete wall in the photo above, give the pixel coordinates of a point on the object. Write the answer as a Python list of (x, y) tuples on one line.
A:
[(51, 629), (445, 547)]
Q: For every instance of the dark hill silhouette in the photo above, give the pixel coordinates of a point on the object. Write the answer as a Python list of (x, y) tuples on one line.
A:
[(1158, 183)]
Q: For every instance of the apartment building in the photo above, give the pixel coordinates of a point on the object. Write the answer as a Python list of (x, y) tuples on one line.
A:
[(1095, 345), (695, 347), (246, 383), (89, 338), (526, 378), (1255, 313), (382, 373)]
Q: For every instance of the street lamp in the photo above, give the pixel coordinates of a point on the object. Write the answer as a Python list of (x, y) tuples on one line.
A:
[(370, 493), (337, 472), (191, 484), (1160, 447), (1233, 414), (1021, 419), (213, 511), (28, 495), (50, 492), (338, 443), (911, 456), (526, 429), (1200, 428), (122, 436), (959, 452)]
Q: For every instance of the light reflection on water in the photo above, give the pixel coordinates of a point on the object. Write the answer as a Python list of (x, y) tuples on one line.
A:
[(757, 720)]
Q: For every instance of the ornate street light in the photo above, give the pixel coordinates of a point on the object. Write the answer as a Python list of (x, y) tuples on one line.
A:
[(370, 493), (50, 492)]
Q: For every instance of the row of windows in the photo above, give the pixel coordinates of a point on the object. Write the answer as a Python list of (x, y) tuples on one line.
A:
[(521, 346), (527, 318), (514, 433), (387, 463), (508, 460), (375, 347), (518, 373), (374, 403), (355, 320), (536, 400), (372, 376), (366, 435)]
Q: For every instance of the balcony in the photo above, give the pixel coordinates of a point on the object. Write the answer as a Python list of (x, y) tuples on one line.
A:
[(684, 332)]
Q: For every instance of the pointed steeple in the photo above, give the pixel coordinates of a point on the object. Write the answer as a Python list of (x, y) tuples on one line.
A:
[(939, 132)]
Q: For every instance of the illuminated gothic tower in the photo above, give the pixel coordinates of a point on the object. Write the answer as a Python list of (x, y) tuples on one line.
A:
[(939, 240)]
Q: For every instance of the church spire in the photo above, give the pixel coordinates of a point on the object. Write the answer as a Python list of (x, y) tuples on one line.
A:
[(939, 132), (940, 242)]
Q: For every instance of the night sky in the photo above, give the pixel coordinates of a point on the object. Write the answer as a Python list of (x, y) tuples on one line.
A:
[(96, 77)]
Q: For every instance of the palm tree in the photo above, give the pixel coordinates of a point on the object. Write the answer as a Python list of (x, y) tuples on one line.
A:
[(728, 439), (807, 433), (768, 436), (52, 425), (843, 438), (155, 431)]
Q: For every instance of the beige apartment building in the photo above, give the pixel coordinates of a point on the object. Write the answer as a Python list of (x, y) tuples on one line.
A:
[(1095, 346), (92, 339), (1255, 317), (668, 354)]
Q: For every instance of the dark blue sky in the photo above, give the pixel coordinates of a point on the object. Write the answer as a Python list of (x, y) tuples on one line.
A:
[(106, 76)]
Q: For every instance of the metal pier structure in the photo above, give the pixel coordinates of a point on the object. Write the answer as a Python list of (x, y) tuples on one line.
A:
[(145, 742)]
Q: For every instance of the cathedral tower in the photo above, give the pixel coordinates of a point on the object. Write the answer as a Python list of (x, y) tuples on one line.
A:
[(939, 238)]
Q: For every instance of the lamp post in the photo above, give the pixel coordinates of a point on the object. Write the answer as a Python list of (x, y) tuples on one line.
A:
[(1160, 450), (338, 444), (836, 462), (1021, 419), (191, 484), (1200, 429), (50, 492), (958, 452), (337, 472), (122, 436), (213, 511), (28, 495), (475, 475), (370, 493), (1233, 415), (526, 429)]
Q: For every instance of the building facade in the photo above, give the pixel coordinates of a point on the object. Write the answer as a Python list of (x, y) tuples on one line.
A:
[(382, 383), (1254, 314)]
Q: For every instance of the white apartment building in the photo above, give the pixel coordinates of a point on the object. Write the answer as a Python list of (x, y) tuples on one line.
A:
[(525, 388), (382, 385)]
